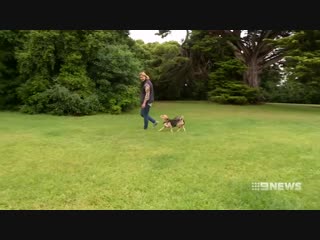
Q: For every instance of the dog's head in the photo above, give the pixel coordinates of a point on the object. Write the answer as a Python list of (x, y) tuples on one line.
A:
[(164, 117), (181, 121)]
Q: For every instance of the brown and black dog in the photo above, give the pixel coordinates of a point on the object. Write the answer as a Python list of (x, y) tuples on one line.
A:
[(171, 123)]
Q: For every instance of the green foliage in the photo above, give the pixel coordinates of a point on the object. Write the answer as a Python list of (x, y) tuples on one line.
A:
[(292, 92), (224, 72), (117, 64), (302, 69), (174, 79), (169, 71), (227, 99), (58, 100), (235, 93), (212, 48), (77, 72), (9, 75), (116, 77), (97, 71), (142, 52), (226, 86), (32, 86), (213, 62), (37, 55)]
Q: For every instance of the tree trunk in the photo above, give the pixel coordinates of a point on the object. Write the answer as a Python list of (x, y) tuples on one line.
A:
[(251, 76)]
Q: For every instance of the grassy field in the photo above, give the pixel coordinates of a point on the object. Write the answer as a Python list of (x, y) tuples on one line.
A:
[(110, 162)]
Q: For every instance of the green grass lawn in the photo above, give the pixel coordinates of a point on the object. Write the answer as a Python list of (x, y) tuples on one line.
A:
[(110, 162)]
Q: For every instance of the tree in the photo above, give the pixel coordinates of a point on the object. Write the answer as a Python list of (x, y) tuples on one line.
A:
[(252, 47), (77, 72), (168, 70), (9, 75), (302, 63), (193, 64), (255, 49)]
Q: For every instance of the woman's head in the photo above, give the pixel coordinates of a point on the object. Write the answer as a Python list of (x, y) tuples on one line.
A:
[(143, 76)]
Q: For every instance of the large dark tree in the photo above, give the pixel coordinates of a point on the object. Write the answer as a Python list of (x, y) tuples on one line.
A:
[(254, 48)]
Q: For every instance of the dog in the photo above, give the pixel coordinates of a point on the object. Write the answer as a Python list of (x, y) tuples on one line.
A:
[(178, 121)]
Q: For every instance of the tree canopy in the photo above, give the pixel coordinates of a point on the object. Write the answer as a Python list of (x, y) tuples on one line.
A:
[(78, 72)]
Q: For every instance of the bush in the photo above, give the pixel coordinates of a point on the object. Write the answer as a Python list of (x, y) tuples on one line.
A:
[(118, 98), (238, 100), (58, 100), (235, 93), (222, 99), (227, 99), (32, 86)]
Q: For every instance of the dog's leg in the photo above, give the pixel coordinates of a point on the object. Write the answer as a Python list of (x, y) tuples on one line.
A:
[(171, 130), (179, 129), (184, 129), (161, 129)]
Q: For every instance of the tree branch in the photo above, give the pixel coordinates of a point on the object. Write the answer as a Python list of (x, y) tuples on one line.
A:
[(272, 60), (186, 38)]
